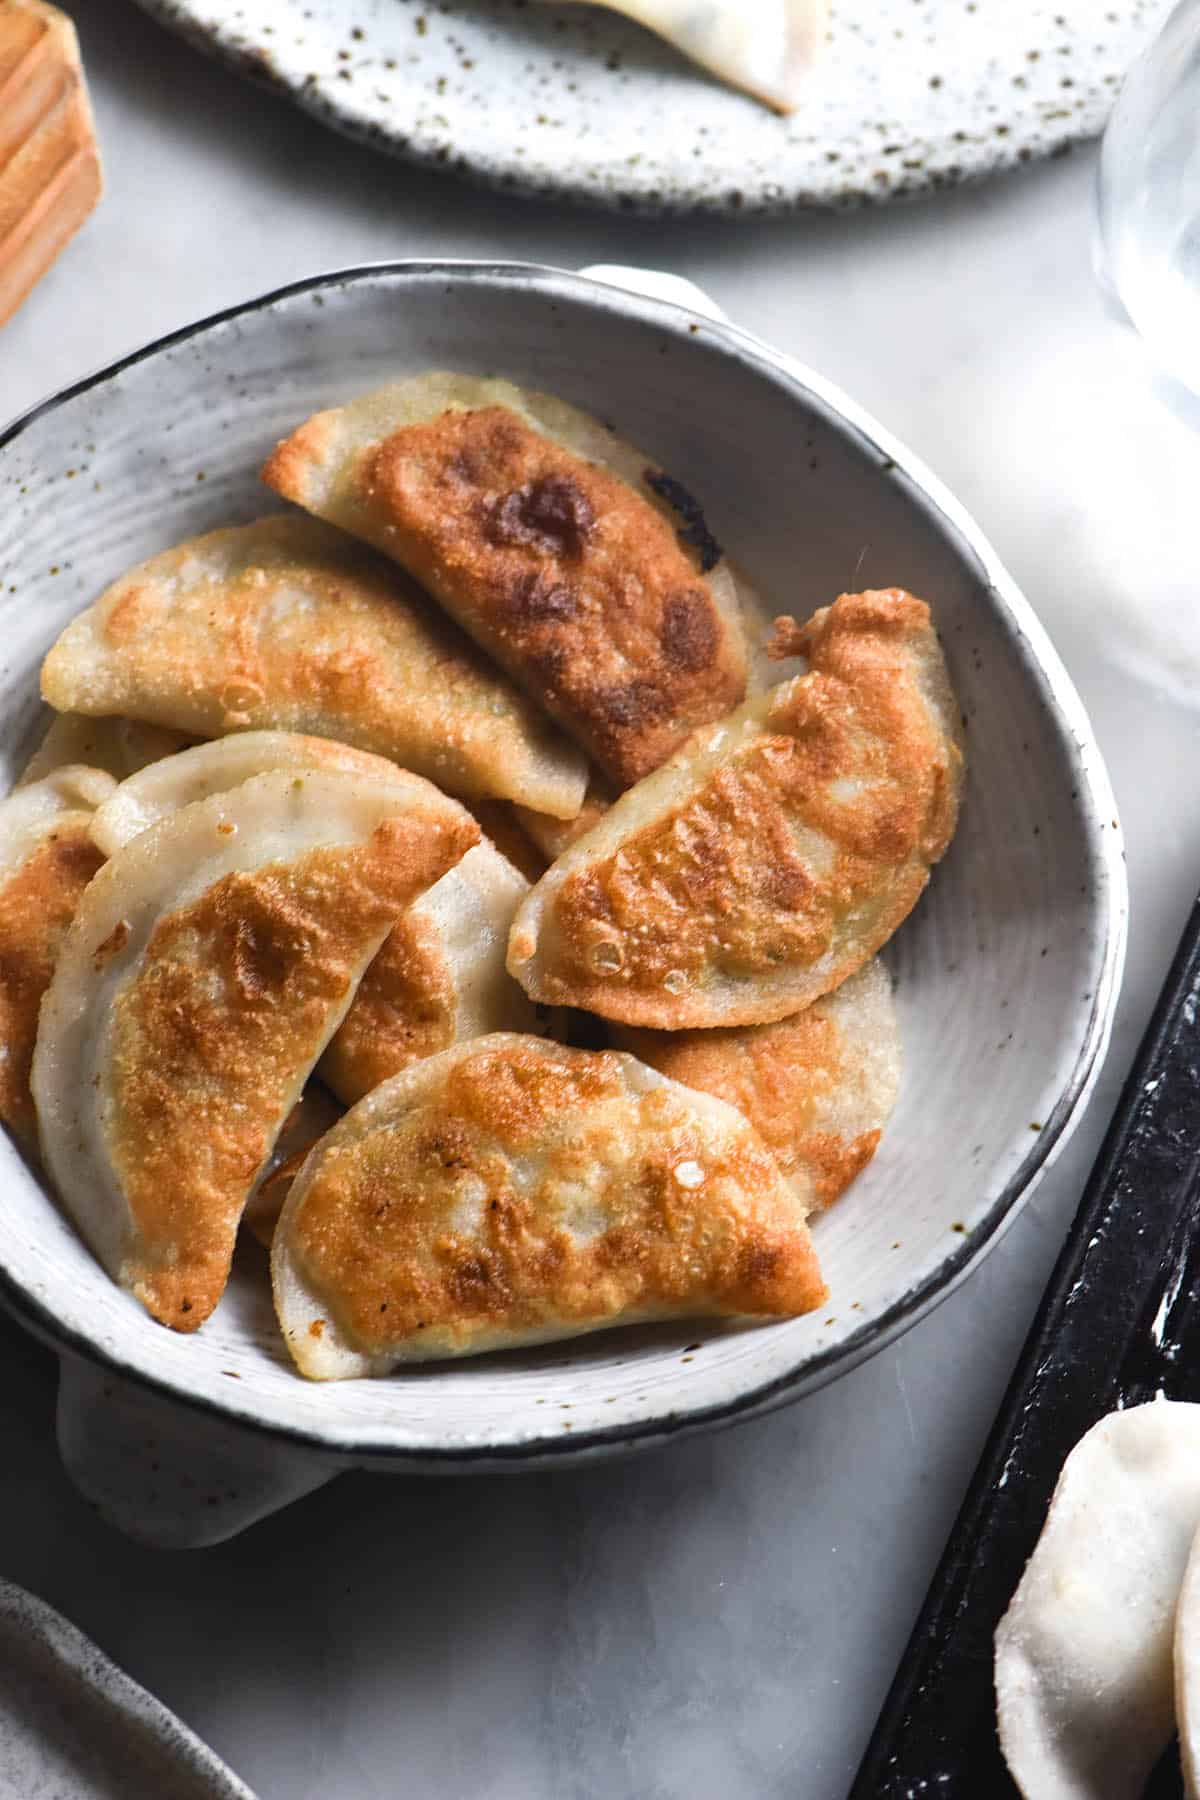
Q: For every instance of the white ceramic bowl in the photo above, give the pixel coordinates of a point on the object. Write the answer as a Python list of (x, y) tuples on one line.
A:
[(1007, 973)]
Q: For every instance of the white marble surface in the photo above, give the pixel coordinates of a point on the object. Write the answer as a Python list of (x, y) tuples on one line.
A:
[(717, 1622)]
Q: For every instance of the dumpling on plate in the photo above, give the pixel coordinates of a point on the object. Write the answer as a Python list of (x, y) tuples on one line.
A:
[(1084, 1689), (511, 1191), (287, 625), (118, 746), (767, 48), (207, 967), (47, 858), (1187, 1671), (818, 1087), (583, 569), (441, 973), (776, 853)]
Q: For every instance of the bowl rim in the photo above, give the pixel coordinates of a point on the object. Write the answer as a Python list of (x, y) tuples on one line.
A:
[(73, 1662), (1096, 803)]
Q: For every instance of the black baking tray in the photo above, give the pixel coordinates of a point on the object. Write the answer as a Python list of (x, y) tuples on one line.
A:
[(1118, 1324)]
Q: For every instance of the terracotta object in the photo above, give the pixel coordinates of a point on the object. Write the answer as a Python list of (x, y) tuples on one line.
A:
[(49, 163)]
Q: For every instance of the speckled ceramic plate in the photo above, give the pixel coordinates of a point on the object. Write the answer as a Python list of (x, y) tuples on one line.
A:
[(1006, 974), (578, 102), (75, 1727)]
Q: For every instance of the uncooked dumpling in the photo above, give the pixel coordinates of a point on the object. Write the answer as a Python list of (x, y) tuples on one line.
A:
[(776, 853), (439, 979), (511, 1191), (208, 965), (766, 47), (287, 625), (1187, 1671), (1083, 1654), (120, 747), (47, 858), (579, 566), (818, 1087)]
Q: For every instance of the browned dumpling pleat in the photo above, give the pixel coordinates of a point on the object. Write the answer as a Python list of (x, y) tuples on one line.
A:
[(207, 967), (287, 625), (772, 856), (583, 569), (511, 1191)]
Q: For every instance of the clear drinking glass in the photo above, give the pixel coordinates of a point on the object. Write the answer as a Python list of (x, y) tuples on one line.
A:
[(1149, 197)]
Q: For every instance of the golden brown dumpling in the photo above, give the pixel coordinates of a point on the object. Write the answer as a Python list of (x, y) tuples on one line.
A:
[(584, 570), (512, 1191), (818, 1087), (439, 976), (439, 979), (208, 964), (47, 858), (287, 625), (775, 853)]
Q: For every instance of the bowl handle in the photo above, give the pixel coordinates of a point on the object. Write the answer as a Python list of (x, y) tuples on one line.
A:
[(656, 284), (168, 1474)]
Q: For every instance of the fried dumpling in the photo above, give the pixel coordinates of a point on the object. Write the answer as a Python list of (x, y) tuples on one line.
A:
[(767, 48), (287, 625), (818, 1087), (47, 858), (208, 965), (512, 1191), (315, 1113), (439, 979), (441, 974), (164, 787), (772, 856), (583, 569), (553, 836), (498, 820), (120, 747)]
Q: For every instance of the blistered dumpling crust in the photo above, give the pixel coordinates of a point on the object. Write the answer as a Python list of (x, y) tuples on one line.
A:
[(287, 625), (512, 1191), (208, 965), (549, 541), (775, 853), (818, 1087)]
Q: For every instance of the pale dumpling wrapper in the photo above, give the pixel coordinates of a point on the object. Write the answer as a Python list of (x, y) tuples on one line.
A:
[(1187, 1671), (439, 976), (207, 966), (773, 855), (285, 624), (164, 787), (1084, 1683), (47, 859), (553, 836), (818, 1087), (766, 47), (565, 552), (119, 747), (512, 1191)]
